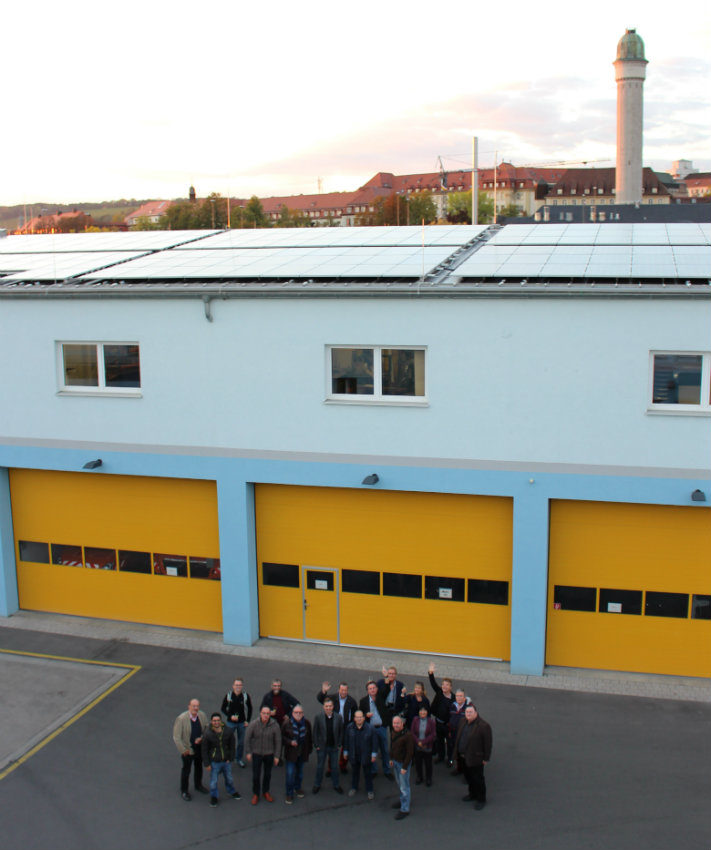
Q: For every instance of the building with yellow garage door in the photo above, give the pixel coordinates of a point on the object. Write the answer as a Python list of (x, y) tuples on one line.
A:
[(420, 571), (630, 588), (489, 442), (119, 547)]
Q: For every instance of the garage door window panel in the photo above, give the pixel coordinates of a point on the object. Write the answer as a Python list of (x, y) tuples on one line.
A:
[(175, 566), (134, 562), (441, 587), (571, 598), (205, 568), (319, 580), (402, 584), (620, 601), (701, 606), (280, 575), (487, 591), (67, 556), (666, 604), (360, 581), (96, 558), (37, 553)]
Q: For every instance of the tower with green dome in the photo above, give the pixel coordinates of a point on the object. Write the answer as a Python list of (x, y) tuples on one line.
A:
[(630, 71)]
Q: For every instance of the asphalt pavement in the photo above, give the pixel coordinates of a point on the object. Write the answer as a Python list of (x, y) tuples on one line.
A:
[(581, 759)]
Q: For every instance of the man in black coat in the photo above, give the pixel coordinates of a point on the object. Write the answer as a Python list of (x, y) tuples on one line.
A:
[(279, 702), (343, 704), (473, 746), (360, 747), (441, 707), (328, 732), (393, 690)]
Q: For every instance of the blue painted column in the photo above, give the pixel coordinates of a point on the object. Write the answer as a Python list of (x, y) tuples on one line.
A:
[(240, 608), (529, 581), (8, 570)]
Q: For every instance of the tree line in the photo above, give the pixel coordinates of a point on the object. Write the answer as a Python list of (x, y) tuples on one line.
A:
[(215, 212)]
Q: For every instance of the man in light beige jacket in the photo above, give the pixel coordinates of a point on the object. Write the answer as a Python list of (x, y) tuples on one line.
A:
[(187, 736)]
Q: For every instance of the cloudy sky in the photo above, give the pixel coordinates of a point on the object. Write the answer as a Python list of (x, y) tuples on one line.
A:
[(141, 99)]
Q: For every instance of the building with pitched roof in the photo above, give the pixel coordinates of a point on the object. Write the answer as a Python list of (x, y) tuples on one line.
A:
[(153, 211)]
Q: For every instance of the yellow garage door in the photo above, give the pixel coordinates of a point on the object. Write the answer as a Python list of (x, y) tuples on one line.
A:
[(118, 547), (419, 571), (630, 588)]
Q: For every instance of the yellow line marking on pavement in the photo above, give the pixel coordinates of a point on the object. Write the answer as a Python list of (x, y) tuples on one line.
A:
[(131, 668)]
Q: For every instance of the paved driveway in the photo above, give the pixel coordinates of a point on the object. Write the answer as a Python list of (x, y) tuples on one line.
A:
[(568, 770)]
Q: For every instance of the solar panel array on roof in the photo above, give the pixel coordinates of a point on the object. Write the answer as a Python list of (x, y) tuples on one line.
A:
[(303, 237), (585, 252), (57, 267), (603, 234), (248, 263), (132, 240), (593, 251)]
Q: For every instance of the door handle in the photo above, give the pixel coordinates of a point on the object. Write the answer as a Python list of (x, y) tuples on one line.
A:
[(306, 604)]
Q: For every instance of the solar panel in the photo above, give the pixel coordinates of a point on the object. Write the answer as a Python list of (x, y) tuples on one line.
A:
[(132, 240), (55, 267)]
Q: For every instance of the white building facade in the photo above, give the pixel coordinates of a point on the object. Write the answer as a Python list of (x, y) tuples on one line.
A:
[(488, 459)]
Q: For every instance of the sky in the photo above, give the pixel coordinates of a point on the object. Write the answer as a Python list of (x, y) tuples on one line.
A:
[(142, 99)]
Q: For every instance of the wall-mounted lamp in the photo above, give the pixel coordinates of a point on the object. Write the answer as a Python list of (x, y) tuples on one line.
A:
[(698, 496), (371, 479), (93, 464)]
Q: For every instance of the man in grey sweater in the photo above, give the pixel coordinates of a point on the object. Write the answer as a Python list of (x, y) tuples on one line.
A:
[(262, 744)]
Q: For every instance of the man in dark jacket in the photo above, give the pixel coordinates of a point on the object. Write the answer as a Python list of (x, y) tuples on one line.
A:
[(393, 690), (402, 749), (343, 704), (441, 706), (297, 742), (379, 718), (456, 719), (279, 702), (218, 752), (237, 708), (473, 746), (360, 748), (328, 735)]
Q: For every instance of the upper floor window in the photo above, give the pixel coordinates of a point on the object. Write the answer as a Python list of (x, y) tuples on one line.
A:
[(376, 373), (680, 381), (99, 367)]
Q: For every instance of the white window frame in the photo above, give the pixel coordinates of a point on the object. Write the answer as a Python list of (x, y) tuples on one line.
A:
[(701, 409), (376, 398), (101, 389)]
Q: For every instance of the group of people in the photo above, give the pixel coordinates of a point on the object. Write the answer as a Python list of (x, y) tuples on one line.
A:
[(347, 733)]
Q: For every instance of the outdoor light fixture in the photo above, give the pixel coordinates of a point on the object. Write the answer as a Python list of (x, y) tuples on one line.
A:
[(696, 496), (371, 479), (93, 464)]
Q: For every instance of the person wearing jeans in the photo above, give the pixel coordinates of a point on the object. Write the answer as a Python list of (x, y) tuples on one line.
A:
[(297, 741), (218, 752), (402, 749), (237, 708), (378, 716)]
